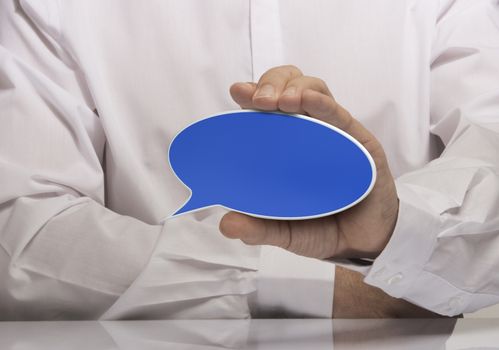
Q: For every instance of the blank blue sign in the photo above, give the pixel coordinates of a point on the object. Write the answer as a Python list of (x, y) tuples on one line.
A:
[(270, 165)]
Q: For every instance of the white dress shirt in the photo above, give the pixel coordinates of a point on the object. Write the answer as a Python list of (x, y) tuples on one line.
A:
[(92, 92)]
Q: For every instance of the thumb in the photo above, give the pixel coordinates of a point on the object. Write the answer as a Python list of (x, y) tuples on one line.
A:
[(255, 231)]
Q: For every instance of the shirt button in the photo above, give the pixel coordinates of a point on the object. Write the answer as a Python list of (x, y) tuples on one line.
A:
[(395, 279)]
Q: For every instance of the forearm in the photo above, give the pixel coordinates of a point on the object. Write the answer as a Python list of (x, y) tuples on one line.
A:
[(355, 299), (68, 257)]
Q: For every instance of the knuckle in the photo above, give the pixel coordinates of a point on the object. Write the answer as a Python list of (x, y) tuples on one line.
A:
[(292, 69), (322, 83), (331, 108), (287, 70), (318, 84)]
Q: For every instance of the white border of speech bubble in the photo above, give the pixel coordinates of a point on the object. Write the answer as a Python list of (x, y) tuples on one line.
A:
[(348, 136)]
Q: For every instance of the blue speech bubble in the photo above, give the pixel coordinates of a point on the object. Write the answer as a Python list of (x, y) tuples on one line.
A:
[(270, 165)]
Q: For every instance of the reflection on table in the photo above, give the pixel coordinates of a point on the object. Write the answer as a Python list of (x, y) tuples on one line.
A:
[(253, 334)]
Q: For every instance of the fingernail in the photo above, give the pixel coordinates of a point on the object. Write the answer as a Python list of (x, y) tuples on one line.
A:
[(266, 90), (290, 91)]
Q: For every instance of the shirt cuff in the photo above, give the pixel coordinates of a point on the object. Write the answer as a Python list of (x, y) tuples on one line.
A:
[(289, 285), (400, 269)]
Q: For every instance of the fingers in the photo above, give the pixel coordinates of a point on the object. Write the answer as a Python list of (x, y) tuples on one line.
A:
[(242, 94), (271, 86), (325, 108), (290, 100), (285, 88), (279, 88)]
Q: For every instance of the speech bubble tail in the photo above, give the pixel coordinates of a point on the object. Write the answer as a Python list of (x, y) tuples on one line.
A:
[(189, 206)]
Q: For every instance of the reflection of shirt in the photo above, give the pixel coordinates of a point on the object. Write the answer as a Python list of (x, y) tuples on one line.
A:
[(84, 195)]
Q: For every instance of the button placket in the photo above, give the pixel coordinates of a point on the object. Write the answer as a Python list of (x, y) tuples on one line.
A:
[(266, 36)]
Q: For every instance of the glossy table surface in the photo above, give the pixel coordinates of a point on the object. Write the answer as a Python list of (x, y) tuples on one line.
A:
[(252, 334)]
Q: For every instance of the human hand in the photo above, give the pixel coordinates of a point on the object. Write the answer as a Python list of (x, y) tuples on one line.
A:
[(359, 232)]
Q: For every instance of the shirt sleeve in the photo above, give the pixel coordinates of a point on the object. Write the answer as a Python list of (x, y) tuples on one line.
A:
[(293, 286), (64, 255), (212, 277), (444, 252)]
